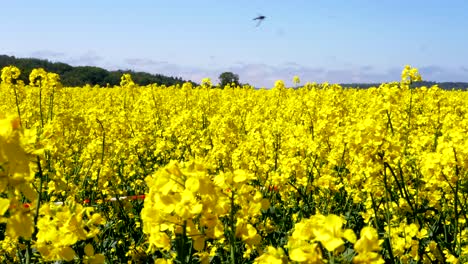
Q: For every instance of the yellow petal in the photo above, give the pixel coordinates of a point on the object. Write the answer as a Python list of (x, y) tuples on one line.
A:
[(298, 255), (192, 184), (332, 244), (349, 235), (4, 204), (199, 243), (67, 254), (240, 176), (197, 209), (334, 221), (89, 250), (99, 259)]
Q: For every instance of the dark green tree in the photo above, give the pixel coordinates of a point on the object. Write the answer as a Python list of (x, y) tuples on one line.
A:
[(81, 75), (226, 78)]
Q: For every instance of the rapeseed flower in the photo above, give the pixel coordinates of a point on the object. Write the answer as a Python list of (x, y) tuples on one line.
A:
[(9, 74)]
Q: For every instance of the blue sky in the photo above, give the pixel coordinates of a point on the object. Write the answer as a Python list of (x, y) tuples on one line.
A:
[(318, 40)]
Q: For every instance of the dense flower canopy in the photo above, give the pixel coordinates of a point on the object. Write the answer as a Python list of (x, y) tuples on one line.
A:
[(182, 174)]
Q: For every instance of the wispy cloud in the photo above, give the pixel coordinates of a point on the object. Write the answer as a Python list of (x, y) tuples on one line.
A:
[(259, 74), (89, 58), (266, 75), (139, 62), (263, 75), (431, 70), (48, 54), (444, 74)]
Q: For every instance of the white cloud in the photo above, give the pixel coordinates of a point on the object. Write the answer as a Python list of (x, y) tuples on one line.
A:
[(48, 54), (139, 62), (263, 75), (89, 58), (444, 74), (258, 74)]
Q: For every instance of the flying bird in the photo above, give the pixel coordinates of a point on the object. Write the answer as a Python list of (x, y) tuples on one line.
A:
[(260, 19)]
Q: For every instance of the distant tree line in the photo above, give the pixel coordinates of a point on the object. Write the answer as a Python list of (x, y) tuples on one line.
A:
[(442, 85), (82, 75)]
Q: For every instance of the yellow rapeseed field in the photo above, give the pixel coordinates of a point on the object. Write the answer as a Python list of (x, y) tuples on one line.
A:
[(184, 174)]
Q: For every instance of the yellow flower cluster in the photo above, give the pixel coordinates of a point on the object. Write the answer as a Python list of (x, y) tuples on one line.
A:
[(189, 202), (16, 174), (126, 81), (326, 230), (410, 74), (9, 74), (14, 159), (60, 227), (319, 232)]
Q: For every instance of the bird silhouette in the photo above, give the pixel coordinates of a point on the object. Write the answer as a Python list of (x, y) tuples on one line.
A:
[(260, 19)]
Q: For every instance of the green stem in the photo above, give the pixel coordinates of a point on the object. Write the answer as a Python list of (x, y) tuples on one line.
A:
[(36, 215), (51, 106), (390, 122), (28, 252), (400, 186), (408, 130), (182, 242), (40, 106), (17, 105), (387, 243), (102, 159), (233, 230)]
